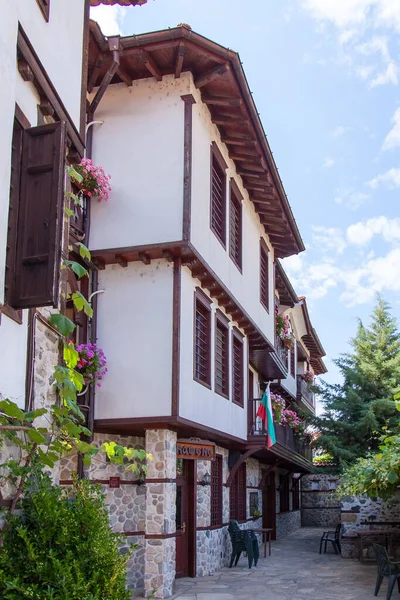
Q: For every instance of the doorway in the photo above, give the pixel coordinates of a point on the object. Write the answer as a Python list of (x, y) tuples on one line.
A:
[(186, 476), (269, 504)]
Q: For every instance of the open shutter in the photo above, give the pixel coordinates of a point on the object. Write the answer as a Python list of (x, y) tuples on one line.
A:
[(40, 222)]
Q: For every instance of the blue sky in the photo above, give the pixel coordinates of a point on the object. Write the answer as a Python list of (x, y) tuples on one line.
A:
[(325, 76)]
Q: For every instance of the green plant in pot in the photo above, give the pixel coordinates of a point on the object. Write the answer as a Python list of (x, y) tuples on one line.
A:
[(256, 513)]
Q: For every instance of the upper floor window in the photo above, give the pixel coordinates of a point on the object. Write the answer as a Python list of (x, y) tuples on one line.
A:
[(218, 195), (293, 361), (221, 355), (264, 275), (202, 339), (235, 225), (237, 368), (216, 491), (44, 6)]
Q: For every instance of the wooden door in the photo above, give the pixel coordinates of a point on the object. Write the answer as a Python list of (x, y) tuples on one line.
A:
[(269, 504), (185, 519)]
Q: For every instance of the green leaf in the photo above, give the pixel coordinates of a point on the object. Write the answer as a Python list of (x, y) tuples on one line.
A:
[(11, 409), (81, 303), (84, 251), (392, 477), (69, 212), (36, 436), (78, 269), (64, 325), (74, 174), (397, 396), (71, 356)]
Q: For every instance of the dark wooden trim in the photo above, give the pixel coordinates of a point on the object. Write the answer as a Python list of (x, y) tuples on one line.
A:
[(218, 155), (237, 334), (132, 533), (201, 298), (236, 189), (222, 321), (123, 481), (266, 472), (46, 89), (21, 118), (160, 536), (238, 464), (29, 360), (237, 338), (11, 313), (176, 335), (192, 516), (264, 255), (44, 6), (187, 165), (252, 487), (321, 507), (235, 203), (222, 317), (212, 527), (85, 69)]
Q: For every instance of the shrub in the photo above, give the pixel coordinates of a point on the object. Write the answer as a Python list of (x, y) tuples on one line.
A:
[(61, 547)]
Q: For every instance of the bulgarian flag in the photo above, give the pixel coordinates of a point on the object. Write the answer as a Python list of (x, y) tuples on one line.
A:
[(265, 413)]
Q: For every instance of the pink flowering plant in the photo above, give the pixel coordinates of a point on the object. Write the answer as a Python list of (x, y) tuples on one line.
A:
[(292, 419), (92, 363), (308, 376), (283, 329), (278, 406), (95, 183)]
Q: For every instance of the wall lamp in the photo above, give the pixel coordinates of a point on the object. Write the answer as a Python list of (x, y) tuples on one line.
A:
[(206, 479)]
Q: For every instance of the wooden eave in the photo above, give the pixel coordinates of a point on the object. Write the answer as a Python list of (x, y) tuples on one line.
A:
[(287, 295), (120, 2), (312, 341), (218, 73)]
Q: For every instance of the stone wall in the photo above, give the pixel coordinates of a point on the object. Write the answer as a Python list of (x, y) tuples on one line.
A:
[(354, 511), (287, 522), (320, 507)]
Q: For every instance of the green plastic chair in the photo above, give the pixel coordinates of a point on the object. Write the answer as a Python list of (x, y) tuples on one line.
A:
[(386, 568), (243, 541)]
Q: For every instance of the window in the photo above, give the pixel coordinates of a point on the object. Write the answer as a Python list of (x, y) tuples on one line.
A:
[(237, 496), (296, 494), (221, 355), (44, 6), (202, 338), (264, 275), (283, 493), (235, 226), (237, 368), (292, 361), (218, 195), (216, 491), (35, 216)]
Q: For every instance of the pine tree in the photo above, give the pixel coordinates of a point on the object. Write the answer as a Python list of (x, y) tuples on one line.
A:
[(358, 409)]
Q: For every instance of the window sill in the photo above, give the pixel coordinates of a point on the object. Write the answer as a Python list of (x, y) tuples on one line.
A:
[(226, 396), (206, 384), (240, 404)]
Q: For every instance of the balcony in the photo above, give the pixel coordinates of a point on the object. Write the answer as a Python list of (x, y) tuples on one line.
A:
[(284, 434), (281, 351), (305, 394)]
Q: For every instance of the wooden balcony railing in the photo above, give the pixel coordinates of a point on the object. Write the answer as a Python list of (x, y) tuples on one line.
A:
[(284, 434), (281, 351), (304, 394)]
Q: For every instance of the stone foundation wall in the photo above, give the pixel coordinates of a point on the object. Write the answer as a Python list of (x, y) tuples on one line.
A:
[(287, 522), (319, 502)]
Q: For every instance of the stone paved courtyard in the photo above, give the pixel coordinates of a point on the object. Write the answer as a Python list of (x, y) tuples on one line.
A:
[(295, 571)]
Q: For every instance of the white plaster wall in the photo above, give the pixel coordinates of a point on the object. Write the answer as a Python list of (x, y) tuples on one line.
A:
[(290, 385), (135, 331), (198, 403), (141, 146), (13, 349), (245, 286)]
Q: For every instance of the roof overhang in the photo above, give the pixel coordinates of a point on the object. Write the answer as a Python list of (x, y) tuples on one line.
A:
[(119, 2), (312, 341), (218, 74), (287, 295)]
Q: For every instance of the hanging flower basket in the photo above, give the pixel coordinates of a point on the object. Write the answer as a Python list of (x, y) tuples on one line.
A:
[(92, 364), (308, 377), (95, 183), (278, 406)]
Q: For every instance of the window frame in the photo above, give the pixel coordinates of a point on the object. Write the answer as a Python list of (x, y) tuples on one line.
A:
[(44, 6), (264, 290), (296, 493), (200, 298), (235, 203), (284, 500), (215, 155), (237, 338), (221, 322), (216, 508), (238, 495)]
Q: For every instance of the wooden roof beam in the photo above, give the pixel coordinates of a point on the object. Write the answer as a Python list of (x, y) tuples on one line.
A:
[(180, 56), (150, 64), (124, 75), (121, 260), (257, 188), (145, 258), (211, 75), (95, 72), (221, 100), (228, 122), (255, 173)]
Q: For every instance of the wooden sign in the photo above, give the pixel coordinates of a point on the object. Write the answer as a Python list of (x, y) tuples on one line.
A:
[(195, 450), (114, 482)]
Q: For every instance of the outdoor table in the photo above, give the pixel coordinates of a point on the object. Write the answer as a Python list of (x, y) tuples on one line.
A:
[(363, 536), (265, 532)]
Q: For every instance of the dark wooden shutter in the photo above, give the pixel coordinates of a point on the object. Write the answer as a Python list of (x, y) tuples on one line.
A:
[(216, 491), (292, 362), (221, 358), (283, 493), (264, 276), (218, 199), (237, 371), (45, 8), (40, 220), (237, 497), (202, 343), (235, 229)]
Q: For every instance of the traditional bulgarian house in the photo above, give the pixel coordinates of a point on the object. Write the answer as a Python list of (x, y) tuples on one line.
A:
[(187, 282)]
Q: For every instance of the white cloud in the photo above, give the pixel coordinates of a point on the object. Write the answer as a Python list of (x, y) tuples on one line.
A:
[(293, 264), (328, 240), (110, 18), (391, 75), (351, 199), (343, 13), (392, 139), (362, 232), (328, 163), (390, 179), (339, 131)]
